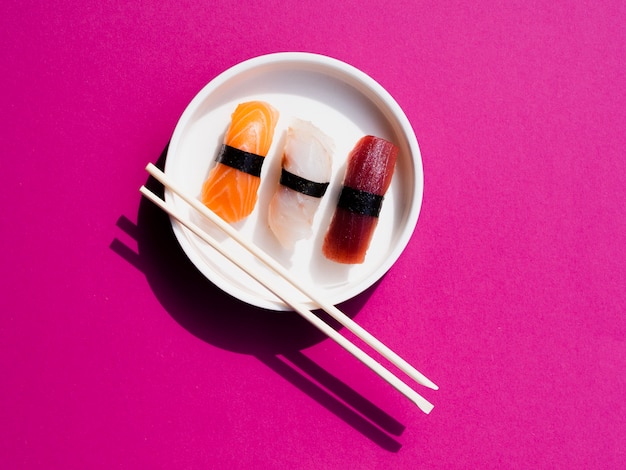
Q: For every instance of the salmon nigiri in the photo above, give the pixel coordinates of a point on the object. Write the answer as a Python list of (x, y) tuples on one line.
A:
[(368, 176), (231, 188)]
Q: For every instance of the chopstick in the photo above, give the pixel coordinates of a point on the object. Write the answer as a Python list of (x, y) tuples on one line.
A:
[(287, 297), (333, 311)]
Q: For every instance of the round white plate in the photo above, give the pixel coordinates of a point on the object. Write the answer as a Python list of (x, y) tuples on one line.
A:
[(343, 102)]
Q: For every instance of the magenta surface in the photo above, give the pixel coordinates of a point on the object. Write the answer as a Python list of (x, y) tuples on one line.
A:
[(116, 353)]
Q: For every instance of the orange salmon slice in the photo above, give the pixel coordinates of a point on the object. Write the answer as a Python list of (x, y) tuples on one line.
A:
[(228, 191)]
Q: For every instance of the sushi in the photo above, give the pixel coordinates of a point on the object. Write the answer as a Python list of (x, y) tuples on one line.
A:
[(305, 175), (230, 190), (368, 175)]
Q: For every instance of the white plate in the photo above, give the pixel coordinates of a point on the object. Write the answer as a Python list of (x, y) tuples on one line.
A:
[(343, 102)]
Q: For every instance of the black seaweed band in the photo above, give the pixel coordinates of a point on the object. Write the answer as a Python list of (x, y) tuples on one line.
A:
[(360, 202), (302, 185), (247, 162)]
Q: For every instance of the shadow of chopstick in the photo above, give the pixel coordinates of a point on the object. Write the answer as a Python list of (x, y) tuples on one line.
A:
[(337, 397), (275, 338)]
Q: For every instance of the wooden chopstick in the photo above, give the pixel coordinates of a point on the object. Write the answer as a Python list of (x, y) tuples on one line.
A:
[(333, 311), (287, 296)]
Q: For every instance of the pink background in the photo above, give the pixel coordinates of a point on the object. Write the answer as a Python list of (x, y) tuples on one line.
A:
[(116, 353)]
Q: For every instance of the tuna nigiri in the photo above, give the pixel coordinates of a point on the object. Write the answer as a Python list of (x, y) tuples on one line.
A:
[(368, 176), (231, 188), (306, 171)]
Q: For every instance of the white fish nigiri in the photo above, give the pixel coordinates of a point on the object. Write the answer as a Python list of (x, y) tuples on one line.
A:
[(306, 172)]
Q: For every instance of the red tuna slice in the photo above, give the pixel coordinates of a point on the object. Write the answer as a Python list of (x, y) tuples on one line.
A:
[(368, 176)]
